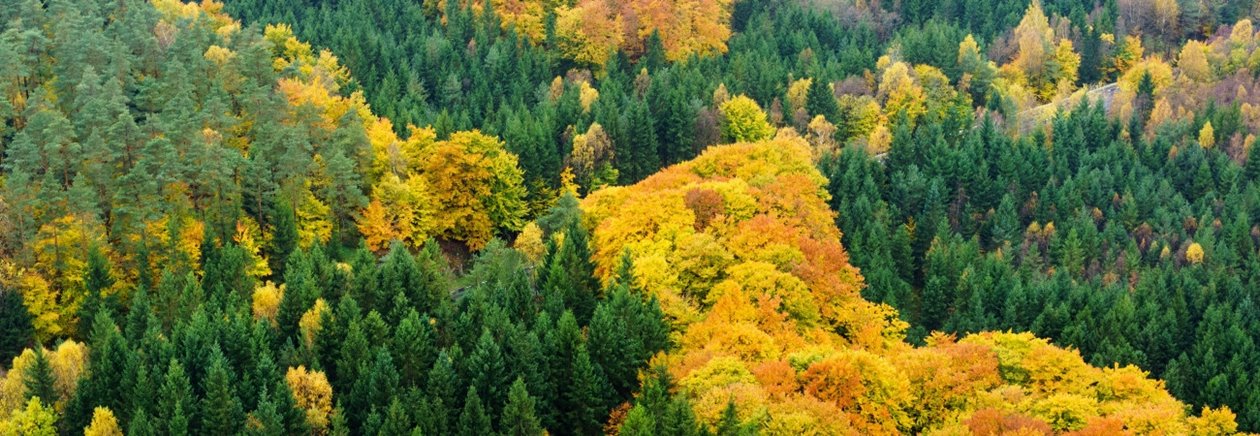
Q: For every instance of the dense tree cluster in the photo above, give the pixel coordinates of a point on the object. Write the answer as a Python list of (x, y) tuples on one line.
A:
[(739, 247), (296, 223)]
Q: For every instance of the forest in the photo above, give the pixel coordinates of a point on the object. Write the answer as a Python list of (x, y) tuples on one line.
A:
[(640, 217)]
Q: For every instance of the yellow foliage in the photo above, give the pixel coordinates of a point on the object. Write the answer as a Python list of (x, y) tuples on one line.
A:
[(1193, 62), (313, 394), (1194, 254), (374, 223), (798, 93), (247, 237), (41, 301), (314, 220), (266, 301), (309, 324), (103, 424), (821, 137), (587, 96), (1161, 75), (740, 249), (67, 362), (589, 32), (880, 140), (1207, 136), (901, 93), (530, 243), (34, 420), (400, 210), (1214, 422), (744, 121), (61, 251), (477, 188)]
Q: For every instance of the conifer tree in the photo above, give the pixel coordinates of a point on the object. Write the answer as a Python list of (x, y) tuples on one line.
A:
[(473, 420), (39, 379), (519, 417)]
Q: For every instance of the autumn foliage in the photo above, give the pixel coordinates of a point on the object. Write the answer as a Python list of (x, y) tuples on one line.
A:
[(741, 249)]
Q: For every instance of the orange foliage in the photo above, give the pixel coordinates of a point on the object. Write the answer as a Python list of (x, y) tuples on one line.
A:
[(742, 252)]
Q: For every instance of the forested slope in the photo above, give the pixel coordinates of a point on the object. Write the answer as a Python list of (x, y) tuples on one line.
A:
[(211, 226)]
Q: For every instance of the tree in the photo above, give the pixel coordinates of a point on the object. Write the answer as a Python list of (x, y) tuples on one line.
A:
[(175, 402), (743, 121), (592, 158), (519, 418), (478, 188), (1194, 253), (821, 100), (39, 379), (313, 394), (35, 420), (221, 410), (1207, 136), (1193, 62), (584, 405), (103, 424), (473, 421), (15, 321)]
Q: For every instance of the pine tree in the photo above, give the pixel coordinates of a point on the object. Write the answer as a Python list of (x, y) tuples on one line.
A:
[(519, 418), (15, 322), (583, 398), (638, 422), (96, 281), (284, 237), (822, 101), (414, 348), (175, 402), (729, 424), (444, 384), (397, 420), (266, 419), (220, 409), (141, 426), (489, 376), (473, 421), (39, 379)]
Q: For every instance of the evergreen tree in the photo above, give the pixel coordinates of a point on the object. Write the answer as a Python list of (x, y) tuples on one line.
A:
[(584, 403), (96, 281), (489, 377), (175, 403), (473, 421), (39, 380), (284, 237), (220, 408), (15, 322), (518, 415), (821, 100)]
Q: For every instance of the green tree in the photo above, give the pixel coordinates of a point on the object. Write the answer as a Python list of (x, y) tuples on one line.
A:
[(473, 421), (519, 418), (15, 321), (39, 379), (221, 410)]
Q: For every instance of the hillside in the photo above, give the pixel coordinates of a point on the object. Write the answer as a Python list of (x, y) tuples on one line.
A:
[(634, 217), (740, 249)]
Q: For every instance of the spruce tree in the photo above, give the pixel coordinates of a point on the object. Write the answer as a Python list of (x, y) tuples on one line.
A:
[(583, 400), (175, 402), (489, 376), (821, 100), (519, 418), (221, 410), (473, 421), (39, 380), (96, 281), (15, 322)]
